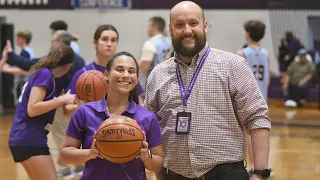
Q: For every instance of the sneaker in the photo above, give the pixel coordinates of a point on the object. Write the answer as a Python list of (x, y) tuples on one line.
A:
[(290, 103), (65, 175)]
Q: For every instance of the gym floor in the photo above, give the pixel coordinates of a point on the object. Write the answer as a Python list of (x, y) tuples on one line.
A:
[(294, 150)]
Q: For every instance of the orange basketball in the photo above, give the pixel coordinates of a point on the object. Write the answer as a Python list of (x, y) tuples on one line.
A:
[(91, 86), (119, 139)]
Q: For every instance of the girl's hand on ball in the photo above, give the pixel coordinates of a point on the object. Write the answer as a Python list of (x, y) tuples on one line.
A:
[(144, 150), (94, 153)]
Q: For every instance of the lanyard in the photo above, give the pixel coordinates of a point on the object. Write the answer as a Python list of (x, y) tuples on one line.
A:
[(186, 93)]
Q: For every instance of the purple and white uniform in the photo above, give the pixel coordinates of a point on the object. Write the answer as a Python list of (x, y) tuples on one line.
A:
[(87, 119), (32, 131)]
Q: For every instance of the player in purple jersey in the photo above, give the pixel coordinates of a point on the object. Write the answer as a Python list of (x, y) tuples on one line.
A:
[(105, 41), (122, 75), (35, 112)]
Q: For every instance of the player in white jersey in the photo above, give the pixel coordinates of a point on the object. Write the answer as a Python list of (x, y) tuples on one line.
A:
[(258, 60)]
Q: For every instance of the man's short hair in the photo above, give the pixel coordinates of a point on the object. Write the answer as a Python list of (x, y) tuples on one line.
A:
[(256, 29), (64, 37), (159, 22)]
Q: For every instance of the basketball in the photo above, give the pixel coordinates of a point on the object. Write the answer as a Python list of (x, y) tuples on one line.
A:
[(119, 139), (91, 86)]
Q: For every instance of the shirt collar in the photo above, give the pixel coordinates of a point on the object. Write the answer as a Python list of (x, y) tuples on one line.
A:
[(102, 105), (97, 66), (157, 35), (195, 59)]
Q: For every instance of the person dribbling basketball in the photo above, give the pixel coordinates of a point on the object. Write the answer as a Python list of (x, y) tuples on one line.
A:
[(122, 99)]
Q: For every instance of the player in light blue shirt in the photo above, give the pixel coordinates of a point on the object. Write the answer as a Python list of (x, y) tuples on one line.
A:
[(155, 49), (256, 55), (258, 59)]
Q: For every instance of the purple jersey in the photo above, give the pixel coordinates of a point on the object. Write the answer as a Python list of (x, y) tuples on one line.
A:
[(87, 119), (32, 131), (92, 66)]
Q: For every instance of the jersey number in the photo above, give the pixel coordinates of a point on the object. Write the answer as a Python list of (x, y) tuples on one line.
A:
[(23, 89), (258, 71)]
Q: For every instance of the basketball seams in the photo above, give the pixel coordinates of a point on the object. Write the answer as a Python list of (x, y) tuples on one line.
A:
[(120, 157), (98, 85), (120, 141), (93, 87), (103, 82)]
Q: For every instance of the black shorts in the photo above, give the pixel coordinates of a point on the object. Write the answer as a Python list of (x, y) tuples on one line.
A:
[(21, 154)]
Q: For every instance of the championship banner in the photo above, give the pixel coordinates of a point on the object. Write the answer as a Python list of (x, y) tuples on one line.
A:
[(101, 4), (35, 4)]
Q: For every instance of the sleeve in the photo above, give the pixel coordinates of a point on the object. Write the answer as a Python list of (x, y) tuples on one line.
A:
[(75, 47), (249, 105), (154, 135), (76, 127), (43, 78), (148, 51), (21, 62)]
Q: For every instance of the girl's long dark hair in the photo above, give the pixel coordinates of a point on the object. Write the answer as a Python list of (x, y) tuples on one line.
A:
[(133, 93)]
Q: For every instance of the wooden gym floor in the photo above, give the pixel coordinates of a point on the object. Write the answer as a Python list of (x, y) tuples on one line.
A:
[(294, 151)]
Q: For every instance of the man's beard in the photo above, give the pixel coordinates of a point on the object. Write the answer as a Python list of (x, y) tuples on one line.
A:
[(200, 42)]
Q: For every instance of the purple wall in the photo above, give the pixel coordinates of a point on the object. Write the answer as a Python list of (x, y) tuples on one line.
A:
[(231, 4), (206, 4)]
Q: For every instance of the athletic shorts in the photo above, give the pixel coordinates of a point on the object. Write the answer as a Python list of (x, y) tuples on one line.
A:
[(21, 154)]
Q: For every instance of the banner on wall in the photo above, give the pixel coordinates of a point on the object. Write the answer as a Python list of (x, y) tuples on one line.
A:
[(101, 4), (35, 4)]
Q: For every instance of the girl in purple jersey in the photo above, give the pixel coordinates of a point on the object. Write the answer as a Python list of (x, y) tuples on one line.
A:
[(35, 112), (105, 41), (122, 99)]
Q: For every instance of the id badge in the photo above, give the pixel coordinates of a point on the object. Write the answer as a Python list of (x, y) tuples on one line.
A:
[(183, 122)]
